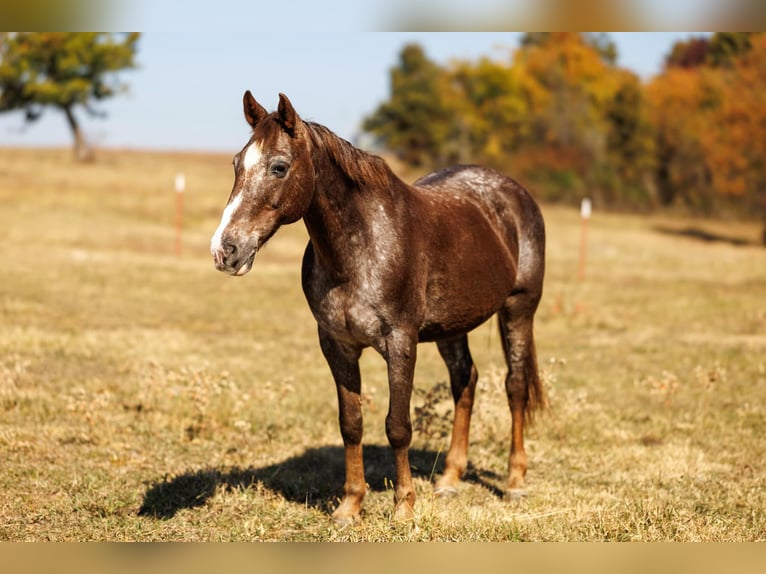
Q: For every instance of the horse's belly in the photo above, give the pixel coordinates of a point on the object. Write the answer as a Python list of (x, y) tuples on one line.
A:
[(459, 302), (437, 330)]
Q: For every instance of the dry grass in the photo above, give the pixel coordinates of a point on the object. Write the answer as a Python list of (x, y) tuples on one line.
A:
[(145, 396)]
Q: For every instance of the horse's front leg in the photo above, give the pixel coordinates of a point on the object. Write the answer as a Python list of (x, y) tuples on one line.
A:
[(400, 354), (344, 364)]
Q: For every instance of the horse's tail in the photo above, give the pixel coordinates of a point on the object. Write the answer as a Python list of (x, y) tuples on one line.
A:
[(537, 399)]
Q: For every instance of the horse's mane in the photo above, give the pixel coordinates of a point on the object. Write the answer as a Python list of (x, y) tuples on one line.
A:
[(362, 168)]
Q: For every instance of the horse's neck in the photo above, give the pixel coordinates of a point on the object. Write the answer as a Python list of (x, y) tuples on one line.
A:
[(342, 218)]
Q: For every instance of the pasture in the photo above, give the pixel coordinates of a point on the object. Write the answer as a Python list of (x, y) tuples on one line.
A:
[(145, 396)]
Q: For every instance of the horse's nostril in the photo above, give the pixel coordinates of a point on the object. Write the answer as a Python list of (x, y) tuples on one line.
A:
[(229, 248)]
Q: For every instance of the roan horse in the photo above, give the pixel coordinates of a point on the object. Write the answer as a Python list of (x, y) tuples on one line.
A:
[(389, 265)]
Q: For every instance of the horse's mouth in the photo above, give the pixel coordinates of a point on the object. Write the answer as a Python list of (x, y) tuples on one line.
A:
[(246, 266)]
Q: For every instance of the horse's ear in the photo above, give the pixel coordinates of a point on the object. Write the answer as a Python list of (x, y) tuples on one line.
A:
[(288, 117), (254, 112)]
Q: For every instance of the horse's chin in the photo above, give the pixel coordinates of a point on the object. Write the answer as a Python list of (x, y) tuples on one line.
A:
[(246, 266)]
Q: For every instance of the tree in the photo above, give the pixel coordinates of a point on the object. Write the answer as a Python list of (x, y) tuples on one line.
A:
[(545, 114), (604, 46), (736, 150), (63, 70), (568, 84), (491, 110), (690, 53), (719, 50), (599, 41), (415, 122), (630, 138), (677, 99), (725, 47), (708, 109)]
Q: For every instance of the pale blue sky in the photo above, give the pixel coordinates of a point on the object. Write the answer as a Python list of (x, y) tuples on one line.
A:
[(187, 91)]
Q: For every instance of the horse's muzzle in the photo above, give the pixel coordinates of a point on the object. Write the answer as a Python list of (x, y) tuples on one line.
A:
[(230, 259)]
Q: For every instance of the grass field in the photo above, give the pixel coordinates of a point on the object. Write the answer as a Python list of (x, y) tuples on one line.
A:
[(145, 396)]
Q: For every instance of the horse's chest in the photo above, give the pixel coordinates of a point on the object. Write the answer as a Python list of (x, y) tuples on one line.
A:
[(347, 313), (350, 318)]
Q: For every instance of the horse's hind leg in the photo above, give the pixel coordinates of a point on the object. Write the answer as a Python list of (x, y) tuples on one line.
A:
[(463, 376), (522, 383)]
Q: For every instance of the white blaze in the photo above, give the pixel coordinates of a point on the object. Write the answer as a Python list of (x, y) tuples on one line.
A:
[(252, 156), (228, 213), (251, 159)]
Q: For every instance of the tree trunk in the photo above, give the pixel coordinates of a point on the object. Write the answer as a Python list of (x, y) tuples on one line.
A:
[(82, 151)]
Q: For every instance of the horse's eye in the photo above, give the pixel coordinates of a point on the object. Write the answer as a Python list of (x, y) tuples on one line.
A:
[(279, 169)]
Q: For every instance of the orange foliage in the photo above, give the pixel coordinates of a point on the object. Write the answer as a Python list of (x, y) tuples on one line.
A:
[(560, 112), (736, 147), (711, 122), (567, 85)]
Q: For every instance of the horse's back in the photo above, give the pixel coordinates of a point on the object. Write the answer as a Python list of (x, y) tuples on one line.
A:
[(501, 195)]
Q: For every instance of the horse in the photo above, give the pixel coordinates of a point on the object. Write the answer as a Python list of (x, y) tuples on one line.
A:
[(389, 265)]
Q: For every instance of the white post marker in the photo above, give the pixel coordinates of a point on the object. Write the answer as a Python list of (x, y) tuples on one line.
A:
[(585, 213), (180, 188), (180, 182)]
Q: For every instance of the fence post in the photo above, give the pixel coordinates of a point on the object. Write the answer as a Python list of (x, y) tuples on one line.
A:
[(180, 188), (585, 211)]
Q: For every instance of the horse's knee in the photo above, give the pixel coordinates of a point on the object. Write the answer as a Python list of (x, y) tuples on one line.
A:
[(351, 428), (399, 433)]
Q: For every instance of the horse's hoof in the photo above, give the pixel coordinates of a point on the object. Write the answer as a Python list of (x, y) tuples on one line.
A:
[(403, 512), (346, 516), (515, 494), (445, 491), (344, 520)]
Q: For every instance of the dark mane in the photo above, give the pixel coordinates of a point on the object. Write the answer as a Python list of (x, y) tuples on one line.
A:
[(363, 168)]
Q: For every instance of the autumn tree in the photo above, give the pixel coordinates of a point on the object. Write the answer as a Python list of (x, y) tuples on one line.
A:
[(567, 83), (690, 53), (65, 71), (415, 122), (726, 47), (630, 142), (543, 113), (491, 110), (735, 144), (707, 108), (562, 116), (676, 99), (603, 45)]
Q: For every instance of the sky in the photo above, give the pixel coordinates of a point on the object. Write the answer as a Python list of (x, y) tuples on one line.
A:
[(187, 91)]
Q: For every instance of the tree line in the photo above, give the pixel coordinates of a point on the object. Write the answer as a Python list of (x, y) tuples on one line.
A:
[(558, 113), (561, 115)]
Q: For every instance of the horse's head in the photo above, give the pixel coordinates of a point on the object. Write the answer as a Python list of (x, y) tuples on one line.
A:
[(273, 185)]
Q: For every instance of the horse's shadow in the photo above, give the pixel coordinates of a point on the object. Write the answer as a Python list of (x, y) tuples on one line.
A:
[(314, 478)]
